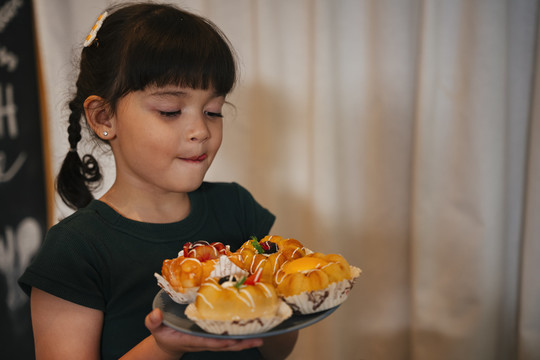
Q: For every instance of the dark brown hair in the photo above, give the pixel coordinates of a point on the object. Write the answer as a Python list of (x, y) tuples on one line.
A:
[(139, 45)]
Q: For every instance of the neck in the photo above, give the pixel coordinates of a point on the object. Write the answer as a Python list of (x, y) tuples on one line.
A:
[(150, 208)]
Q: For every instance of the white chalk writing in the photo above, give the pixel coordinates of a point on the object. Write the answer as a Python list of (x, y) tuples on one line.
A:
[(8, 59), (8, 11), (8, 112), (17, 246), (6, 174)]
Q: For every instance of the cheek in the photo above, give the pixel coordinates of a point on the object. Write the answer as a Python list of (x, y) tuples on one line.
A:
[(217, 134), (218, 142), (150, 148)]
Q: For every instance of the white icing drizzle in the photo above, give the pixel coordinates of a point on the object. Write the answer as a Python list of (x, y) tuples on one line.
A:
[(201, 243), (187, 259), (214, 285), (266, 289), (276, 262), (295, 250), (259, 264), (203, 298), (249, 303), (278, 279), (327, 265)]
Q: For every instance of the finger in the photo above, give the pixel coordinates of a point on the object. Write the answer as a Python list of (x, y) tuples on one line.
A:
[(153, 320), (249, 343), (237, 345), (200, 343)]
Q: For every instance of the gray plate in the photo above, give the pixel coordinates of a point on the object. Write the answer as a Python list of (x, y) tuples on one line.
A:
[(173, 316)]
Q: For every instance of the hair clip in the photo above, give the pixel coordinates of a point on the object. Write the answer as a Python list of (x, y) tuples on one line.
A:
[(93, 33)]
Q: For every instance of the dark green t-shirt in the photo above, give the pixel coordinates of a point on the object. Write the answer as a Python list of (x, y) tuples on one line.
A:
[(99, 259)]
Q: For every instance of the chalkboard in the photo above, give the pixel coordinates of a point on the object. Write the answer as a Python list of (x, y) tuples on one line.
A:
[(23, 200)]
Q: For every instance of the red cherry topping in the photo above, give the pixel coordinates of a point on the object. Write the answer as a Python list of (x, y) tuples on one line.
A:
[(254, 278), (202, 250)]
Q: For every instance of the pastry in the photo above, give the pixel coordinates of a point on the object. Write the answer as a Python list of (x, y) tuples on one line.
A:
[(236, 306), (181, 277), (315, 282), (269, 254)]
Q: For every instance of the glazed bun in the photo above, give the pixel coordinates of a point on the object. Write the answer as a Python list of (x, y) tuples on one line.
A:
[(183, 273), (312, 272), (269, 254), (236, 307), (181, 277), (227, 301)]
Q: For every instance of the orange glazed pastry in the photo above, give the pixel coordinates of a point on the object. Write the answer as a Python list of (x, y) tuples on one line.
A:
[(234, 307), (269, 254), (315, 282), (182, 276)]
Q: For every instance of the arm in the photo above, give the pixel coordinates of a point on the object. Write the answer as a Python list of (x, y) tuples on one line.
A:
[(170, 344), (58, 327), (65, 330)]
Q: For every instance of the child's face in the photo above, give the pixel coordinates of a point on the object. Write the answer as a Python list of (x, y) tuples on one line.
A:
[(166, 138)]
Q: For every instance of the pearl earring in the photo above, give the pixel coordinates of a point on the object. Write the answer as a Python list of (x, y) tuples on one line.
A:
[(105, 133)]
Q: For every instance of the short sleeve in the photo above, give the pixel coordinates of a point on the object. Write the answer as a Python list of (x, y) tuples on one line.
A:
[(68, 267)]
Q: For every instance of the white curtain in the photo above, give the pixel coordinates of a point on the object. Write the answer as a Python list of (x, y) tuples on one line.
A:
[(403, 134)]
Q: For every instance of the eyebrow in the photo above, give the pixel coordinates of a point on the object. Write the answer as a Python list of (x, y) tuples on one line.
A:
[(161, 93)]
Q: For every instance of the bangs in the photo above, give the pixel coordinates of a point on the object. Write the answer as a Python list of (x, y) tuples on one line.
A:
[(172, 48)]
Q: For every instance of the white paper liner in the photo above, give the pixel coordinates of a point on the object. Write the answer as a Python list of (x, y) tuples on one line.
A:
[(241, 326), (181, 298), (224, 267), (310, 302)]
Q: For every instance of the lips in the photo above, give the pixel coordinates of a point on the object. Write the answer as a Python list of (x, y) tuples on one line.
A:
[(198, 158)]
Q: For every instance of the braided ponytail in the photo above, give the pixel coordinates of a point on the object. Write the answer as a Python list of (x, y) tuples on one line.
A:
[(77, 178)]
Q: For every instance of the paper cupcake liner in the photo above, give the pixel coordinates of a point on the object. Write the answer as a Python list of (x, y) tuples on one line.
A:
[(182, 298), (310, 302), (224, 267), (240, 326)]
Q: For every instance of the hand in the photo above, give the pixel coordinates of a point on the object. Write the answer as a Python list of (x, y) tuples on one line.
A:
[(176, 343)]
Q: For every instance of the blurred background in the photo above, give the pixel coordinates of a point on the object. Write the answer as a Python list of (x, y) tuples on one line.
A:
[(403, 134)]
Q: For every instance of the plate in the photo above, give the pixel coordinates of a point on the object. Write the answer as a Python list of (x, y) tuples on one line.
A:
[(173, 316)]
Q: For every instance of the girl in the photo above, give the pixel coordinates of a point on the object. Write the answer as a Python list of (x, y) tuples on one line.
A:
[(153, 80)]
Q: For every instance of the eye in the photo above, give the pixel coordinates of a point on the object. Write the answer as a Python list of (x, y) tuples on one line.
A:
[(213, 114), (170, 113)]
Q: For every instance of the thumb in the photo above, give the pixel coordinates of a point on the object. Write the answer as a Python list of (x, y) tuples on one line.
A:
[(153, 320)]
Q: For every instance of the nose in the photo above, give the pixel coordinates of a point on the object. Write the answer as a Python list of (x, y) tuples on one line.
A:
[(198, 130)]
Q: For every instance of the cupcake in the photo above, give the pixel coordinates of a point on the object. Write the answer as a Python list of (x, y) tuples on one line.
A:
[(315, 282)]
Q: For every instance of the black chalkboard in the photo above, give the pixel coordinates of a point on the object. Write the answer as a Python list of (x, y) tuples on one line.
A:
[(23, 200)]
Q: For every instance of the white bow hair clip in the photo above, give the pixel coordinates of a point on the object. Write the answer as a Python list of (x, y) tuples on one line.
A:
[(93, 33)]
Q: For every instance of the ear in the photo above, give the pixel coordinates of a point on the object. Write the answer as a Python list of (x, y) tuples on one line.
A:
[(99, 117)]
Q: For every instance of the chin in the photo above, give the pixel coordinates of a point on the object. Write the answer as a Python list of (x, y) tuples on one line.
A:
[(189, 186)]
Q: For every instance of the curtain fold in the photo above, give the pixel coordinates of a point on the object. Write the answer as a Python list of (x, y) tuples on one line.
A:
[(469, 173), (528, 334), (404, 135)]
